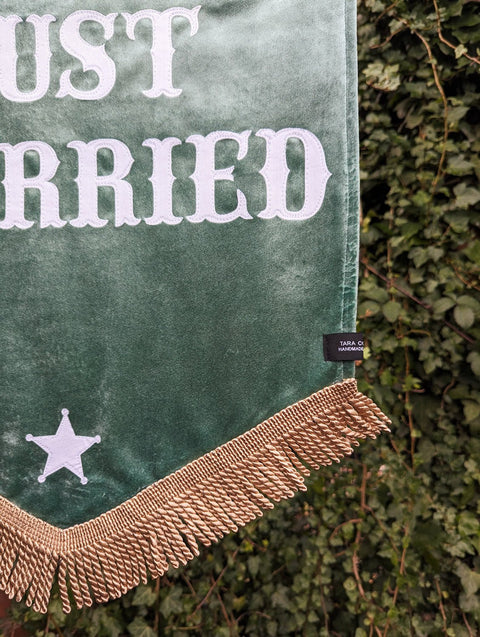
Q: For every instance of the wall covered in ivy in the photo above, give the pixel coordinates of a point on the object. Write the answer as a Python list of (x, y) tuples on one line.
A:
[(388, 542)]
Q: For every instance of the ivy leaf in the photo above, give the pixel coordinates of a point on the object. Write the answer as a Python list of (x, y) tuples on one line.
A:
[(468, 524), (459, 221), (470, 579), (442, 305), (469, 603), (383, 77), (464, 316), (474, 359), (473, 252), (458, 165), (144, 596), (457, 113), (391, 311), (140, 628), (471, 409), (253, 565), (172, 603), (466, 196)]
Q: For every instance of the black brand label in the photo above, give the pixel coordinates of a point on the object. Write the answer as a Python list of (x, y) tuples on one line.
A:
[(343, 347)]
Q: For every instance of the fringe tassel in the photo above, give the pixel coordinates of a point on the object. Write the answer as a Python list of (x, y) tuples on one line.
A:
[(161, 526)]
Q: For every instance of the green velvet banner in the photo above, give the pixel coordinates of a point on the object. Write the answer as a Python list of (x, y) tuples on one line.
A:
[(179, 219), (179, 231)]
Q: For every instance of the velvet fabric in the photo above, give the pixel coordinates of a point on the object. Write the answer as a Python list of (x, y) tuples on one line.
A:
[(169, 340)]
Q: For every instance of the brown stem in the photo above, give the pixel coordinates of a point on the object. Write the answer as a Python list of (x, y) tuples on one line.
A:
[(230, 622), (387, 40), (387, 10), (190, 586), (365, 507), (355, 562), (468, 284), (337, 528), (401, 572), (157, 606), (469, 628), (439, 86), (212, 588), (442, 609), (409, 412), (444, 40)]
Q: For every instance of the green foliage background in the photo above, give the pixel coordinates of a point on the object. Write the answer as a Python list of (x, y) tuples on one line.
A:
[(387, 543)]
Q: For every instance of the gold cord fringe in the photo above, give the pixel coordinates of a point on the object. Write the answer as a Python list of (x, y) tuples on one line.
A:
[(162, 525)]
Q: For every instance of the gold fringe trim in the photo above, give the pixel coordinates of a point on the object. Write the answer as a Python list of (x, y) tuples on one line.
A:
[(162, 525)]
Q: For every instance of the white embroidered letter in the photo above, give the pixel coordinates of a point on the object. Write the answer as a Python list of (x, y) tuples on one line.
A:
[(93, 58), (15, 184), (162, 181), (275, 172), (89, 181), (162, 47), (206, 175), (9, 57)]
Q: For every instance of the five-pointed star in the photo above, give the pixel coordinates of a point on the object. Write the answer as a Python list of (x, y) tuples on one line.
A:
[(64, 449)]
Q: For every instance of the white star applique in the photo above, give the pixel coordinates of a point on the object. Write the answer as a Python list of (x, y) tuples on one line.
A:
[(64, 449)]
